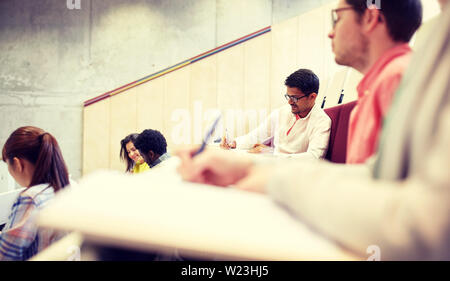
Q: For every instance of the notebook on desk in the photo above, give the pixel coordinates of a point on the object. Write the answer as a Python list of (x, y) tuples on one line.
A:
[(157, 211)]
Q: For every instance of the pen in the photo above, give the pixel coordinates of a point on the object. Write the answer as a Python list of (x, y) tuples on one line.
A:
[(207, 137)]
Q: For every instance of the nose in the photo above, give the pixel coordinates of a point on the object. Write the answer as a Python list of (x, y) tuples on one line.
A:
[(331, 34)]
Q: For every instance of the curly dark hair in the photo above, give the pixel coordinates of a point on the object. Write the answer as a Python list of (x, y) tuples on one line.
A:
[(151, 140), (123, 150), (305, 80)]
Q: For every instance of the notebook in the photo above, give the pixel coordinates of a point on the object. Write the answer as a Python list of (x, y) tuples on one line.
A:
[(157, 212)]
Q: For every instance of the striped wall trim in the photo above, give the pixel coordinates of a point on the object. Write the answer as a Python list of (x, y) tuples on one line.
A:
[(177, 66)]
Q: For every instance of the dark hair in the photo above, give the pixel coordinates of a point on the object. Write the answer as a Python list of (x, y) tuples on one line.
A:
[(305, 80), (403, 17), (124, 153), (42, 150), (151, 140)]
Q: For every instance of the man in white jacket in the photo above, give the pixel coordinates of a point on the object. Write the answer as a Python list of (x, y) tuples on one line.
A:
[(300, 129), (399, 201)]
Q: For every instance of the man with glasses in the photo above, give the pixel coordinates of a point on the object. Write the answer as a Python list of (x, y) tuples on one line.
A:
[(401, 204), (300, 129), (374, 41)]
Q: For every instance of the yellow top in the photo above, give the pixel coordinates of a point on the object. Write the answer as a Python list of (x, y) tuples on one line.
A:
[(139, 168)]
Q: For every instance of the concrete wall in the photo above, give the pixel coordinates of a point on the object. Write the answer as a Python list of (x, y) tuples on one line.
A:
[(53, 58)]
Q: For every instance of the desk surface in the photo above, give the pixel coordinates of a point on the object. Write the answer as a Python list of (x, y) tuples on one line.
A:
[(157, 211)]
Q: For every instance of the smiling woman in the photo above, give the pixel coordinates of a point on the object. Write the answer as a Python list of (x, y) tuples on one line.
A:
[(129, 154)]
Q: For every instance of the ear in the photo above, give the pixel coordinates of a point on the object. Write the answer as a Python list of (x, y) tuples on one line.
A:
[(312, 96), (17, 164), (372, 17), (151, 155)]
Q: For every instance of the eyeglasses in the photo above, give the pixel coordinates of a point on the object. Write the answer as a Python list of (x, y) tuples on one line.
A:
[(293, 98), (334, 15)]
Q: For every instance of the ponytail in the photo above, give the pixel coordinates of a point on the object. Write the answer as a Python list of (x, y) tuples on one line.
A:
[(50, 167), (42, 150)]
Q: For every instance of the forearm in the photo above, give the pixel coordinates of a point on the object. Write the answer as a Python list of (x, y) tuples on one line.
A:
[(347, 205), (263, 132), (244, 142)]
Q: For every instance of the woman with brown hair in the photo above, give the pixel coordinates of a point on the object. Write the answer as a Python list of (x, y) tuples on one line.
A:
[(35, 161), (129, 154)]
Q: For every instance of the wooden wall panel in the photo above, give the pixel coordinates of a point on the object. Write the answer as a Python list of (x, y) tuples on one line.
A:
[(150, 105), (284, 58), (330, 68), (96, 136), (123, 122), (353, 79), (311, 46), (257, 61), (311, 41), (431, 9), (203, 96), (230, 89), (177, 117), (334, 88)]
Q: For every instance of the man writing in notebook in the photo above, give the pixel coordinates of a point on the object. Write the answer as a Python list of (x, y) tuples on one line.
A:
[(300, 129)]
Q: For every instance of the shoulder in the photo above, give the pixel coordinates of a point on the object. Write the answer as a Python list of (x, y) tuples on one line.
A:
[(165, 156), (320, 115), (36, 195), (389, 78), (396, 67)]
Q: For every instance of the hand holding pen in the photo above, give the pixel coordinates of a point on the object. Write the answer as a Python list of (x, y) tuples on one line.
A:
[(207, 137), (225, 144)]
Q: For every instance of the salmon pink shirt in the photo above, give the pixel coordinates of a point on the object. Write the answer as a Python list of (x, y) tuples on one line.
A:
[(375, 94)]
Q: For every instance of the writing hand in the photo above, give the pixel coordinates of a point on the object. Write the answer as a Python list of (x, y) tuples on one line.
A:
[(213, 167)]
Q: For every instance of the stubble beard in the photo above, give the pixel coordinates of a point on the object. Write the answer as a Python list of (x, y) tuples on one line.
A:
[(356, 56)]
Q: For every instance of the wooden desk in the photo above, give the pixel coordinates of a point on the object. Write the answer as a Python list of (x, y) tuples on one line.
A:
[(156, 211)]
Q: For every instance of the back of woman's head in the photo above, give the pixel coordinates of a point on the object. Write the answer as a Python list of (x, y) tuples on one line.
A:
[(42, 150), (124, 153)]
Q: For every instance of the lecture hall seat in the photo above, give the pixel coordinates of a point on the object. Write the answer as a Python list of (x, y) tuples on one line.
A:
[(337, 146)]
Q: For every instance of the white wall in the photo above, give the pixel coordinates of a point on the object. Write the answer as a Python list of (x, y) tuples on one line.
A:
[(6, 181)]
